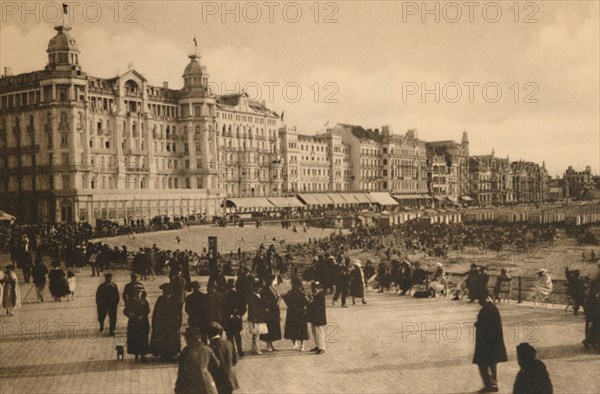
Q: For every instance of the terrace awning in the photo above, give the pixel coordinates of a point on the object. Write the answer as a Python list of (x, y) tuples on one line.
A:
[(382, 199), (337, 198), (466, 198), (315, 199), (285, 202), (439, 198), (361, 198), (249, 202), (407, 196)]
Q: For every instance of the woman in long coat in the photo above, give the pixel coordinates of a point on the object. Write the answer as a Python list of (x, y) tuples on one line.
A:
[(138, 326), (296, 326), (270, 299), (58, 284), (165, 340), (489, 342), (11, 295), (357, 283)]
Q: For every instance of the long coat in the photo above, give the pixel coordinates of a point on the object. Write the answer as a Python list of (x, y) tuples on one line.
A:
[(11, 294), (223, 375), (296, 326), (234, 309), (38, 273), (357, 283), (270, 299), (165, 340), (138, 327), (193, 375), (196, 308), (315, 310), (489, 339), (533, 379), (58, 283)]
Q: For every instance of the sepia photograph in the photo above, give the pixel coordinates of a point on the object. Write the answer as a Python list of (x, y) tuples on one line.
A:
[(310, 196)]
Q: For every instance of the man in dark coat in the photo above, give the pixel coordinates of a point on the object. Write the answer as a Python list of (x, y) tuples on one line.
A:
[(196, 307), (489, 343), (223, 375), (342, 282), (178, 291), (472, 282), (243, 284), (533, 377), (234, 309), (575, 289), (195, 361), (107, 299), (26, 265), (316, 315), (39, 273)]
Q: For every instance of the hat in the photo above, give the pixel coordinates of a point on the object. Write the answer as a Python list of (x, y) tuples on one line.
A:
[(108, 275), (356, 263), (192, 332), (330, 257), (439, 265), (542, 271), (165, 286), (526, 351), (194, 285), (213, 328), (473, 265)]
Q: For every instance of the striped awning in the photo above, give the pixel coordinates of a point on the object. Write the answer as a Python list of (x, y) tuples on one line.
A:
[(249, 202), (315, 199), (407, 196), (285, 202), (382, 199), (337, 198)]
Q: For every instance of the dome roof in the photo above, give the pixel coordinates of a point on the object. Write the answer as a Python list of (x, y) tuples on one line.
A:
[(194, 68), (62, 42)]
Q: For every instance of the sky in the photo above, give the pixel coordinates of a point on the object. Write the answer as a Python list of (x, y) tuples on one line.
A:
[(521, 77)]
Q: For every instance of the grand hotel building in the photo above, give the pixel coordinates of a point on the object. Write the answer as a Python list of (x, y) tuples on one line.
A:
[(76, 147)]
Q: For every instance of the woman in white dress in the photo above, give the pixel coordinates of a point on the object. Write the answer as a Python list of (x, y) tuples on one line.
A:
[(11, 295)]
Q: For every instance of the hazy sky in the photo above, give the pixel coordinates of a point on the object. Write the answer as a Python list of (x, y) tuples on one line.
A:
[(368, 66)]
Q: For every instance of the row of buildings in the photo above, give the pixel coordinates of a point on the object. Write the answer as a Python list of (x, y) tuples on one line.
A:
[(75, 147)]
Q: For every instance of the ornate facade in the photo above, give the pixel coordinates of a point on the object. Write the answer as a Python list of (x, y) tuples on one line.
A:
[(76, 147)]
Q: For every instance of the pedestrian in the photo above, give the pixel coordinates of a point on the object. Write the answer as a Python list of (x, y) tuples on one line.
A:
[(502, 284), (222, 373), (533, 377), (270, 299), (342, 281), (72, 283), (132, 289), (107, 300), (58, 285), (11, 294), (543, 287), (472, 282), (296, 325), (357, 283), (316, 315), (165, 341), (196, 307), (235, 308), (38, 274), (193, 375), (575, 289), (489, 343), (256, 316), (26, 265), (138, 326)]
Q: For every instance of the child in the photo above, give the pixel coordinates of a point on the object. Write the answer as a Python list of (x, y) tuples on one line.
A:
[(72, 285)]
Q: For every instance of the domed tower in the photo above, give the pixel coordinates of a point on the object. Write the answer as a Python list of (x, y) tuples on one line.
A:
[(63, 52), (195, 75)]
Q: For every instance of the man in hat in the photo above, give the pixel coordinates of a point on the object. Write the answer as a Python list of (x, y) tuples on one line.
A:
[(543, 287), (107, 299), (575, 289), (342, 281), (244, 282), (489, 343), (195, 362), (223, 374), (482, 283), (472, 282), (533, 376), (317, 317)]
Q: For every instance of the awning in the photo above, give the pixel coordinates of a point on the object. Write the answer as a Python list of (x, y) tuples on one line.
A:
[(439, 198), (361, 198), (249, 202), (407, 196), (5, 217), (285, 202), (315, 199), (452, 198), (337, 198), (466, 198), (427, 197), (382, 199)]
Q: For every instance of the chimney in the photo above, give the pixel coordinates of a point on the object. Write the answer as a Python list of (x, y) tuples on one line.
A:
[(8, 72), (165, 85)]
